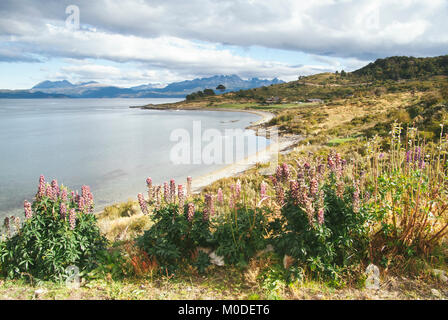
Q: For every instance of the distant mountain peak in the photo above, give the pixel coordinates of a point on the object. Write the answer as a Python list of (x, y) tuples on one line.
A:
[(53, 84)]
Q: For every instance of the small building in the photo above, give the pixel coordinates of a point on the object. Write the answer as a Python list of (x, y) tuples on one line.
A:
[(272, 100)]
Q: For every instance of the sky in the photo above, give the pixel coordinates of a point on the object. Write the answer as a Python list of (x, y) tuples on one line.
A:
[(134, 42)]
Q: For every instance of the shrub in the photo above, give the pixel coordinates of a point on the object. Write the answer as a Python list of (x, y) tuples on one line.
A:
[(59, 231), (322, 224), (174, 238)]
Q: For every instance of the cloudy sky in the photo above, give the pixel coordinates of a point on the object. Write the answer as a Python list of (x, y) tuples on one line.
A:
[(133, 42)]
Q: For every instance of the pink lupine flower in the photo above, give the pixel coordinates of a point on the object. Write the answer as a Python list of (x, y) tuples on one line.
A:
[(210, 205), (49, 192), (88, 197), (279, 173), (190, 213), (294, 191), (64, 197), (142, 203), (28, 211), (340, 189), (274, 180), (150, 189), (314, 187), (41, 188), (189, 183), (81, 203), (72, 219), (320, 216), (263, 188), (220, 196), (166, 191), (303, 195), (280, 194), (181, 196), (55, 187), (157, 195), (172, 190), (238, 189), (63, 210)]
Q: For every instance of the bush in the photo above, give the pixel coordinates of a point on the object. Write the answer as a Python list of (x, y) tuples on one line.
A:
[(59, 231), (240, 234), (174, 238), (322, 224)]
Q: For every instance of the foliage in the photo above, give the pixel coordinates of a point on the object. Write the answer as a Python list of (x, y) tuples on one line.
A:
[(173, 238), (59, 231)]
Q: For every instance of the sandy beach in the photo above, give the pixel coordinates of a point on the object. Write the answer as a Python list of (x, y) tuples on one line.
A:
[(269, 154)]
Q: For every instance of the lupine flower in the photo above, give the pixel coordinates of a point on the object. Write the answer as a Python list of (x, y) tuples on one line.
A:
[(210, 205), (303, 195), (150, 191), (172, 190), (28, 211), (274, 180), (238, 190), (81, 203), (17, 223), (280, 194), (55, 187), (88, 197), (142, 203), (49, 193), (166, 192), (220, 196), (41, 188), (157, 194), (64, 195), (340, 189), (263, 187), (72, 219), (320, 216), (279, 173), (314, 187), (190, 213), (63, 210), (189, 183), (294, 191), (181, 196)]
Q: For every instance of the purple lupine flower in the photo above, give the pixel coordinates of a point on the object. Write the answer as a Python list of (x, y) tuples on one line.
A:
[(28, 211), (181, 196), (303, 195), (55, 187), (340, 187), (150, 189), (142, 203), (88, 197), (263, 188), (166, 191), (210, 205), (49, 192), (220, 196), (285, 172), (64, 197), (63, 210), (41, 188), (279, 173), (294, 191), (314, 187), (72, 219), (274, 180), (280, 192), (190, 212), (172, 190), (238, 190), (189, 183), (320, 216)]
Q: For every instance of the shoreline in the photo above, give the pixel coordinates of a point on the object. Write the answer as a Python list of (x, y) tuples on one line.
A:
[(283, 144)]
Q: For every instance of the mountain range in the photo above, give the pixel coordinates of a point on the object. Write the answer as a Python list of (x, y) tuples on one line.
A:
[(93, 89)]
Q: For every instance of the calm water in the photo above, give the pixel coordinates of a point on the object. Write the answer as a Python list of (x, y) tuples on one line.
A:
[(98, 142)]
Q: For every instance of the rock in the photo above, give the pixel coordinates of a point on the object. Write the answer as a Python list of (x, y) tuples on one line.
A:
[(440, 274), (436, 293), (216, 260), (38, 293)]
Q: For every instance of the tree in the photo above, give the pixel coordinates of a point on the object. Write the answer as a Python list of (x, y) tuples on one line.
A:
[(209, 92), (221, 88)]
